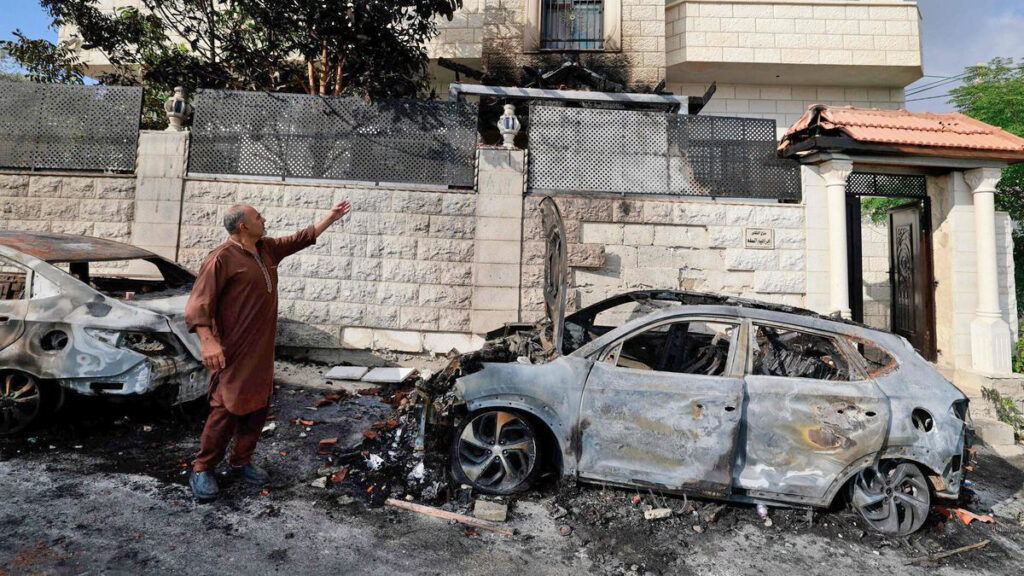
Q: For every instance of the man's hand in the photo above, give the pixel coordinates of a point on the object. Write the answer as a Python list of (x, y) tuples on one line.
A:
[(212, 353), (339, 210)]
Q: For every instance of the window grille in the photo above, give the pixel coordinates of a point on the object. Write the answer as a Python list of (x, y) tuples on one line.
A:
[(572, 25)]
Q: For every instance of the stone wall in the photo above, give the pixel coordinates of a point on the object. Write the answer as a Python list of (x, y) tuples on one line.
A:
[(786, 104), (401, 265), (617, 245), (875, 268), (810, 33), (94, 205)]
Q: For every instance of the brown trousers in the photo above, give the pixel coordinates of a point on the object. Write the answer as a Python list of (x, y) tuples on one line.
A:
[(221, 426)]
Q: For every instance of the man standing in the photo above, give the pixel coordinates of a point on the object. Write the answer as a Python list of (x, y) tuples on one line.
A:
[(233, 308)]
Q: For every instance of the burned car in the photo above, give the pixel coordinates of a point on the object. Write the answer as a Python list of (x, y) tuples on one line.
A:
[(716, 397), (92, 316)]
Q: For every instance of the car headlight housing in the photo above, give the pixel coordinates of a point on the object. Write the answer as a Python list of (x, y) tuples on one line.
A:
[(147, 343)]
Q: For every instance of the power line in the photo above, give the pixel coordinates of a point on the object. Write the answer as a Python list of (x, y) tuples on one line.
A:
[(914, 91), (928, 97), (937, 83)]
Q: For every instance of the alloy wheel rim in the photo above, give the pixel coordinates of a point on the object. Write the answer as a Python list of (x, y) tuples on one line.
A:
[(20, 401), (892, 497), (497, 450)]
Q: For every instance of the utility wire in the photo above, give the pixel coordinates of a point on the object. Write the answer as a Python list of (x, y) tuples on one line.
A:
[(930, 85), (928, 97), (930, 88)]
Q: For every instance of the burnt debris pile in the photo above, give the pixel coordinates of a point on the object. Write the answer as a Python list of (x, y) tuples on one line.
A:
[(406, 455)]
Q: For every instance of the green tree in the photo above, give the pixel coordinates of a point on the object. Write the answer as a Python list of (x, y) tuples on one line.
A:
[(994, 93), (42, 60), (370, 48)]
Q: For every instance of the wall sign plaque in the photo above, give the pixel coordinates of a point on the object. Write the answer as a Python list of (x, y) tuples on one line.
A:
[(759, 238)]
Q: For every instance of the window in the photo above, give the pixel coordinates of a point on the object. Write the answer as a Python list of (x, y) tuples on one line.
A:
[(572, 25), (877, 360), (12, 280), (794, 354), (694, 347)]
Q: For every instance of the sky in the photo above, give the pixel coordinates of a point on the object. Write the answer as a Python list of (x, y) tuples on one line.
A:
[(955, 34)]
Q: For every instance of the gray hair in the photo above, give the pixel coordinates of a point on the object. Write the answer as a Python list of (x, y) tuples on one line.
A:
[(233, 217)]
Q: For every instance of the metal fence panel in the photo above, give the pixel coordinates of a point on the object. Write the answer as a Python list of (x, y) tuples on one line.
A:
[(653, 153), (62, 127), (333, 137), (892, 185)]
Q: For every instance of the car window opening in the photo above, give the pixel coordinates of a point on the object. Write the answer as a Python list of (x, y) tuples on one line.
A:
[(793, 354), (12, 281), (135, 278), (694, 347)]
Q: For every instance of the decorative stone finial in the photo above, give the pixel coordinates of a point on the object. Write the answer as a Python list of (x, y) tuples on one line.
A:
[(508, 125), (177, 108)]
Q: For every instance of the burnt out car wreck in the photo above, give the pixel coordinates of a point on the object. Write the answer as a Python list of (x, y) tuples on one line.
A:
[(94, 317), (705, 395)]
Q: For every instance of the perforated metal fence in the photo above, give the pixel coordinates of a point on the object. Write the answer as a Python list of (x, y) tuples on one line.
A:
[(893, 185), (338, 138), (653, 153), (61, 127)]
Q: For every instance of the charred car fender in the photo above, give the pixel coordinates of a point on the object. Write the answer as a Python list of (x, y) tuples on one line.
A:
[(551, 392)]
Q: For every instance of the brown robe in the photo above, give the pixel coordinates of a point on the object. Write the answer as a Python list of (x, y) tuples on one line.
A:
[(237, 299)]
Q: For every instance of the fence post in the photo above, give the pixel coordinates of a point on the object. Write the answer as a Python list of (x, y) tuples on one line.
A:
[(159, 186)]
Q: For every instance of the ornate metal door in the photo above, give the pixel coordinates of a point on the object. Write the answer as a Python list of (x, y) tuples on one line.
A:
[(911, 277)]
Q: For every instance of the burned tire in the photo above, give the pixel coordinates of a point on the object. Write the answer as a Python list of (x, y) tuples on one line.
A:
[(25, 401), (496, 452), (892, 497)]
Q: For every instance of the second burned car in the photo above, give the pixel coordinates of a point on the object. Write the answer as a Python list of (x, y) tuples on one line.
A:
[(717, 397)]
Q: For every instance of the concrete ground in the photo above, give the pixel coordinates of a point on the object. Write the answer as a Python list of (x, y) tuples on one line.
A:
[(103, 491)]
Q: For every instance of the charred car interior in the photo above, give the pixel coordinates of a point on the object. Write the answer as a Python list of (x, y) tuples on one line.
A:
[(91, 316)]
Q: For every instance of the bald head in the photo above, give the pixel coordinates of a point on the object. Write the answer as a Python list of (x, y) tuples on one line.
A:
[(234, 216)]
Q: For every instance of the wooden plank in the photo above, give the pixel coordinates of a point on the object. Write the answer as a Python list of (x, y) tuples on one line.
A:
[(934, 557), (445, 515)]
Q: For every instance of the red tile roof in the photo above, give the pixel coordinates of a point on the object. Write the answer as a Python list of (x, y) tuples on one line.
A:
[(907, 131)]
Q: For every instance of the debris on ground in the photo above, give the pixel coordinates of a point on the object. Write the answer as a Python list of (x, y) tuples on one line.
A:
[(490, 511), (762, 513), (658, 513), (445, 515), (965, 516), (346, 373), (939, 556), (390, 375), (1011, 509)]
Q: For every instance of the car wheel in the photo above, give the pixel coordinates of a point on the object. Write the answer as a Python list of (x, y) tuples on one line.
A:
[(495, 452), (892, 497), (24, 401)]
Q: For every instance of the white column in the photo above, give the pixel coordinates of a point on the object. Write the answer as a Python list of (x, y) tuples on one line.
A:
[(835, 172), (991, 342)]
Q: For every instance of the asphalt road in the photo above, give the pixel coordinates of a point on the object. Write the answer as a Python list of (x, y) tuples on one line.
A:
[(103, 492)]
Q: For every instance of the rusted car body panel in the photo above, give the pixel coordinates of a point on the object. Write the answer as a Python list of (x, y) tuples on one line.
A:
[(785, 440), (86, 364)]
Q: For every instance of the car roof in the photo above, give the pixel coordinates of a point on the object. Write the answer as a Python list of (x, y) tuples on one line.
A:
[(52, 247)]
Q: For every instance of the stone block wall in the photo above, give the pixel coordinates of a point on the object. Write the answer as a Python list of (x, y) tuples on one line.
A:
[(786, 104), (875, 266), (400, 266), (462, 36), (94, 205), (809, 33), (617, 245)]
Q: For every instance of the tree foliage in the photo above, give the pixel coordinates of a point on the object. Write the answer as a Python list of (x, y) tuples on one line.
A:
[(994, 93), (42, 60), (371, 48)]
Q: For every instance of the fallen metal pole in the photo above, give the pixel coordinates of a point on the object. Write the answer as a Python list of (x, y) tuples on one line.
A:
[(445, 515)]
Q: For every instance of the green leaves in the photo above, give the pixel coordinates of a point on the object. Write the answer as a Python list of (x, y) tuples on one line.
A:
[(370, 48)]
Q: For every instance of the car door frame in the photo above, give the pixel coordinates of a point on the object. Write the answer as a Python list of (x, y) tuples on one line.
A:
[(13, 313), (825, 426), (710, 477)]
